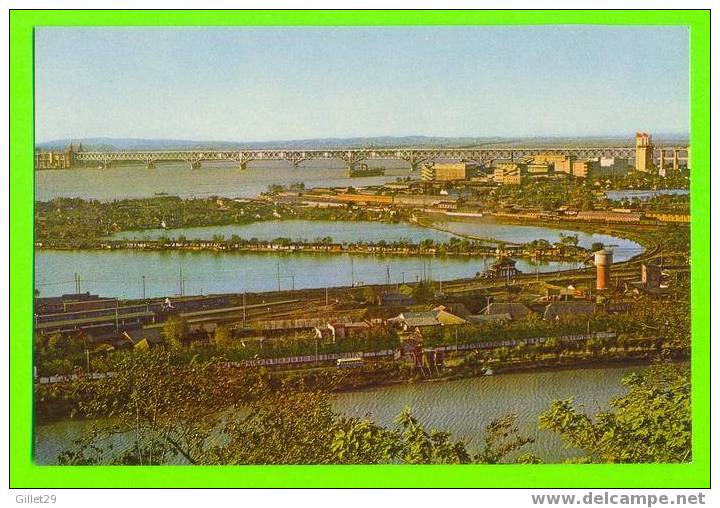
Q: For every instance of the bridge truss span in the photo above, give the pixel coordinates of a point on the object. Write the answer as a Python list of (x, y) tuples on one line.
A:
[(413, 156)]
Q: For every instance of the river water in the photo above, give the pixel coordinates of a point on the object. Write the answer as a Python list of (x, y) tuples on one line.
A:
[(296, 230), (463, 407), (120, 273), (212, 179), (348, 232)]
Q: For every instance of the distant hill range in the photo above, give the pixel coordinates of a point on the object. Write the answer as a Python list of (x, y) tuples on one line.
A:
[(110, 144)]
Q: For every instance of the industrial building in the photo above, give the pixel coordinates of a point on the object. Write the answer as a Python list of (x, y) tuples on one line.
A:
[(651, 276), (49, 159), (509, 173), (612, 166), (538, 169), (564, 166), (559, 163), (449, 171), (555, 311), (584, 168)]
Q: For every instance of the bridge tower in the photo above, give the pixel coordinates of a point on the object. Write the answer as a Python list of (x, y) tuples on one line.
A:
[(69, 158), (643, 152)]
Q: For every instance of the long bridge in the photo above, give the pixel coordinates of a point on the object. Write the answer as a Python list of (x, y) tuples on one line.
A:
[(415, 157)]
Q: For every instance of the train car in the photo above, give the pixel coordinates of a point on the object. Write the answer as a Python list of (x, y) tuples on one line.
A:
[(347, 363)]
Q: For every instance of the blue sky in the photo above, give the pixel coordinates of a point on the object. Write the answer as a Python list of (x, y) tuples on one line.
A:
[(260, 84)]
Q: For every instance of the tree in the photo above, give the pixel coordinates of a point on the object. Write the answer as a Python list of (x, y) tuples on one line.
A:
[(571, 240), (651, 423), (175, 331), (222, 337), (60, 345), (596, 246), (369, 295), (190, 413), (502, 437), (423, 292), (166, 411)]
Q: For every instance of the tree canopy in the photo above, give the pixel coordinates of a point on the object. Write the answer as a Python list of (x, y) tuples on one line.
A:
[(652, 423)]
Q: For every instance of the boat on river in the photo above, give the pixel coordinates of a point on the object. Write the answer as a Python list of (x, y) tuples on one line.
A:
[(364, 171)]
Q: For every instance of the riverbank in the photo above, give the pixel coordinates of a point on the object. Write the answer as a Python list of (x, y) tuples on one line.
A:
[(463, 407), (62, 401), (383, 248)]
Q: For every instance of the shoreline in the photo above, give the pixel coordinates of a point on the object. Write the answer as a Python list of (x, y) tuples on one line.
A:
[(646, 359), (412, 250), (519, 369)]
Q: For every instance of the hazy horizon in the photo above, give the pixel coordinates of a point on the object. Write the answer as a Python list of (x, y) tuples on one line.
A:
[(627, 137), (260, 85)]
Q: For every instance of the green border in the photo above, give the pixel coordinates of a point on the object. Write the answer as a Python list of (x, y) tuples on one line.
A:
[(25, 474)]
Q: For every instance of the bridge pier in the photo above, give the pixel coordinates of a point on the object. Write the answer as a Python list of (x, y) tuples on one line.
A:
[(242, 158), (415, 161), (676, 160), (295, 159), (351, 159), (195, 165), (150, 165)]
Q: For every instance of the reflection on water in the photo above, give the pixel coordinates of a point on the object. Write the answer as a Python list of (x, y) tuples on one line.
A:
[(519, 234), (463, 407), (120, 273), (339, 231), (347, 231)]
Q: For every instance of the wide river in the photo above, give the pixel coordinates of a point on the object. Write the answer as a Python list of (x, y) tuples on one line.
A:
[(463, 407), (120, 273), (213, 179)]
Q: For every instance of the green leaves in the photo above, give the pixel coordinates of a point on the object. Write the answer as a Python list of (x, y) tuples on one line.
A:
[(175, 331), (652, 423), (156, 410)]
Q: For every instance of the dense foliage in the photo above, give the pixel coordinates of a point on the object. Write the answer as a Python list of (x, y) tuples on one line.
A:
[(188, 413), (78, 223), (155, 411), (582, 194), (652, 423)]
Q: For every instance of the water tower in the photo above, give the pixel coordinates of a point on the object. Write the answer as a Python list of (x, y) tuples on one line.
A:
[(603, 262)]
